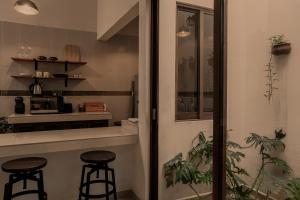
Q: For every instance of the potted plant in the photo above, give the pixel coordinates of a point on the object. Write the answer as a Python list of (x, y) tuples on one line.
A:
[(280, 46), (4, 126), (196, 168)]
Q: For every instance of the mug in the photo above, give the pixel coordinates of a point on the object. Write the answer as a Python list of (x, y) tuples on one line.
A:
[(38, 74), (46, 74)]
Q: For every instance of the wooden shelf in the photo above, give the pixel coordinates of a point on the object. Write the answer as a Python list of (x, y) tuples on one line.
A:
[(47, 61), (36, 64), (49, 78)]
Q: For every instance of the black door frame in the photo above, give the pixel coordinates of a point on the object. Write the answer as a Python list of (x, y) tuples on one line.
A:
[(219, 124), (220, 103), (154, 62)]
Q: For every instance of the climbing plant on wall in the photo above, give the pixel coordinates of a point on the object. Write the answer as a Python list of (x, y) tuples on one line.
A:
[(279, 46)]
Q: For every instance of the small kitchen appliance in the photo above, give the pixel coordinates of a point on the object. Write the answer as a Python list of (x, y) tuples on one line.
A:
[(44, 105), (35, 89)]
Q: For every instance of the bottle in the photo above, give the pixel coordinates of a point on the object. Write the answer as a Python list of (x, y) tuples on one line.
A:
[(20, 106)]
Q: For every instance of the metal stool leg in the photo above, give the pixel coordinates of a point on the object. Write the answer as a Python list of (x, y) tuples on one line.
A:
[(88, 183), (81, 181), (8, 189), (42, 195), (106, 182), (114, 184), (6, 192)]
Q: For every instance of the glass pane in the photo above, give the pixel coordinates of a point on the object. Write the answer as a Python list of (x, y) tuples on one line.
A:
[(185, 143), (187, 64), (194, 80), (208, 63)]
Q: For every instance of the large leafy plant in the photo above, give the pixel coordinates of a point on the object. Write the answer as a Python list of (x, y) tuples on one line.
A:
[(196, 168), (293, 189)]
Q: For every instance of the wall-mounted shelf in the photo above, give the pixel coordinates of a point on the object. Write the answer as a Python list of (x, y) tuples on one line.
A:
[(36, 64), (46, 61), (31, 77), (49, 78)]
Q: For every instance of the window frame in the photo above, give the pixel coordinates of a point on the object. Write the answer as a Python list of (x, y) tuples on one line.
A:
[(200, 115)]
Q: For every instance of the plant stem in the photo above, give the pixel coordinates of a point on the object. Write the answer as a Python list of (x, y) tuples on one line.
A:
[(195, 191), (258, 175)]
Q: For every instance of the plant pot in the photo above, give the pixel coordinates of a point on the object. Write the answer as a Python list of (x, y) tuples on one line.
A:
[(281, 49)]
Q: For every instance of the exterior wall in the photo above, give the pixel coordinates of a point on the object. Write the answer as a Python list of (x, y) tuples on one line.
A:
[(66, 14), (174, 137), (282, 15), (248, 53)]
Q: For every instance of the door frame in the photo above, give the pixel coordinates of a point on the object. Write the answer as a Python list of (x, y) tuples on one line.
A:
[(219, 116), (220, 103), (154, 64)]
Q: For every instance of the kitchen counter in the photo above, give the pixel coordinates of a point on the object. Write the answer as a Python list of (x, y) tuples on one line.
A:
[(41, 118), (17, 144)]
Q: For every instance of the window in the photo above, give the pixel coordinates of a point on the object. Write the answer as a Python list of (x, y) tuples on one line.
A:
[(194, 63)]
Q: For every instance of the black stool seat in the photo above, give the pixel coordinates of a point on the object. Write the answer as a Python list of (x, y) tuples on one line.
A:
[(24, 164), (98, 157), (97, 161), (24, 170)]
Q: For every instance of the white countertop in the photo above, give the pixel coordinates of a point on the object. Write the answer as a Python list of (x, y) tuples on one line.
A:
[(16, 144), (39, 118)]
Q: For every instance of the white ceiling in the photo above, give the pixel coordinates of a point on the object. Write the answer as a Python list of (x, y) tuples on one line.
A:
[(67, 14)]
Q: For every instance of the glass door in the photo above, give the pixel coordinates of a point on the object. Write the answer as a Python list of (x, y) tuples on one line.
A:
[(185, 100)]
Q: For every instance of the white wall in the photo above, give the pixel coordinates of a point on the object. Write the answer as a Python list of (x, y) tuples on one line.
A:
[(113, 15), (174, 137), (282, 18), (142, 154), (66, 14), (248, 53)]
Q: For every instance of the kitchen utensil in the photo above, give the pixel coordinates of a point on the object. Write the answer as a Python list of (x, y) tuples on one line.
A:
[(28, 51), (60, 103), (35, 89), (44, 105), (46, 74), (38, 74), (81, 108), (42, 58), (20, 106), (53, 58)]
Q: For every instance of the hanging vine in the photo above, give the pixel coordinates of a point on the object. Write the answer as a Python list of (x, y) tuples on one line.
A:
[(272, 77), (279, 46)]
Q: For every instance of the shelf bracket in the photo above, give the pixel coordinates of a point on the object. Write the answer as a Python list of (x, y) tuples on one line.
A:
[(35, 65), (66, 82), (66, 66)]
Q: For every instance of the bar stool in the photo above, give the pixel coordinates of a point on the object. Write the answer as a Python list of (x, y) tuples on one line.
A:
[(97, 161), (22, 170)]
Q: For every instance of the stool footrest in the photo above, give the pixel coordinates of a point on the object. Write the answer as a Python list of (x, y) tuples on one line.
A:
[(26, 193), (96, 195)]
